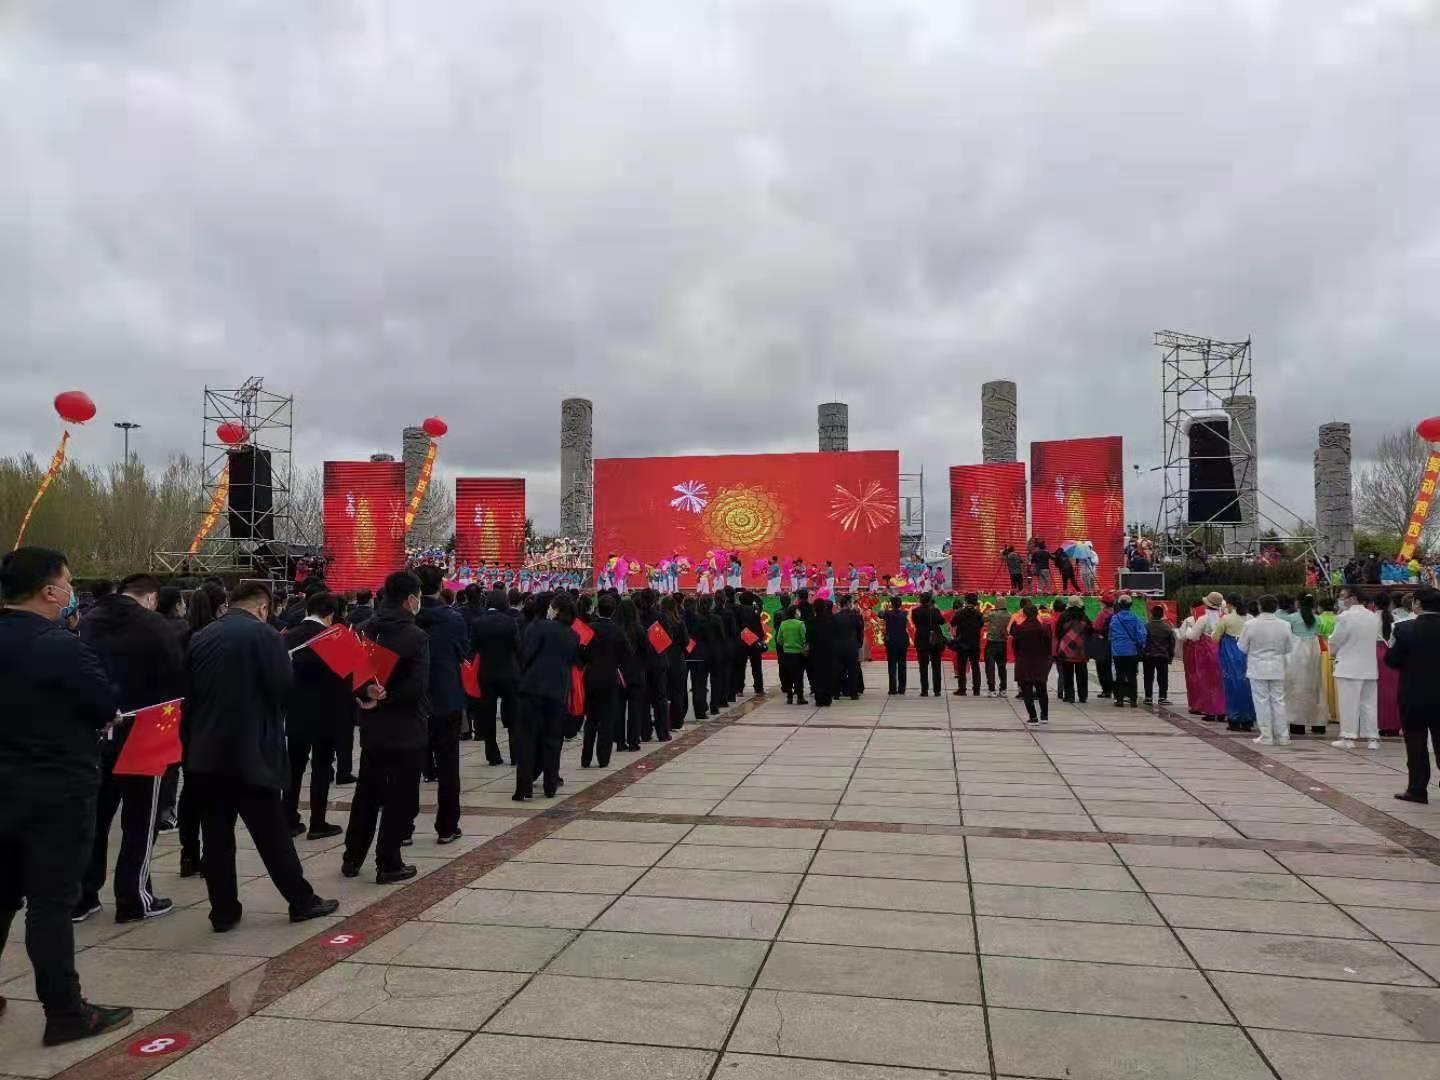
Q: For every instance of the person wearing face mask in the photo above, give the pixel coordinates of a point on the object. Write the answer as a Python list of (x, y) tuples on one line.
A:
[(394, 737), (238, 680), (57, 701), (145, 662)]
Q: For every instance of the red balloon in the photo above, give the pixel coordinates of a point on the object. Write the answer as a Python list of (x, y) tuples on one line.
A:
[(231, 433), (74, 406), (1429, 430), (435, 427)]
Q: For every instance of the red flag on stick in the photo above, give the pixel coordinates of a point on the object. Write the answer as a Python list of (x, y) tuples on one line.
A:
[(342, 652), (582, 631), (154, 741), (659, 639), (470, 676), (748, 636), (381, 663)]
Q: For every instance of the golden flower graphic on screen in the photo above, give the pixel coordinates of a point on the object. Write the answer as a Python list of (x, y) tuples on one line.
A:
[(743, 517)]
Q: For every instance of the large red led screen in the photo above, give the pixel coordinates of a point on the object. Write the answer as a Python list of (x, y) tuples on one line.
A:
[(489, 522), (840, 507), (987, 511), (364, 522), (1077, 492)]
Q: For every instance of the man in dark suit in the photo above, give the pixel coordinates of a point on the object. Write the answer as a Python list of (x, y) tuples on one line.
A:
[(929, 643), (362, 610), (238, 679), (849, 637), (1416, 655), (321, 703), (897, 644), (749, 618), (449, 648), (965, 626), (495, 637), (603, 657), (394, 735), (657, 673), (57, 701), (549, 650), (145, 662)]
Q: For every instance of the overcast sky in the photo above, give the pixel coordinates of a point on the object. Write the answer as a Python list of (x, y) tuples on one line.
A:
[(709, 216)]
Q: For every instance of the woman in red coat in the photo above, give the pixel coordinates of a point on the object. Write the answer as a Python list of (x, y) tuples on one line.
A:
[(1033, 643)]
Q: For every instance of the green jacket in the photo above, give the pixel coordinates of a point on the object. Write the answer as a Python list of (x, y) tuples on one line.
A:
[(792, 635)]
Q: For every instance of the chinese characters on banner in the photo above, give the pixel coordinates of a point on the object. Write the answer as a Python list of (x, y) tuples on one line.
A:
[(1423, 499)]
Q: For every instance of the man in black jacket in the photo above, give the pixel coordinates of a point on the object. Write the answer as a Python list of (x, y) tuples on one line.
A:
[(749, 618), (603, 658), (849, 637), (394, 734), (1416, 655), (657, 673), (897, 644), (549, 649), (929, 643), (57, 700), (362, 611), (321, 704), (965, 626), (238, 679), (495, 637), (449, 648), (143, 658)]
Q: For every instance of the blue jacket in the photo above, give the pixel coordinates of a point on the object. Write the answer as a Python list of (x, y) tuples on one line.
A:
[(449, 648), (1127, 634)]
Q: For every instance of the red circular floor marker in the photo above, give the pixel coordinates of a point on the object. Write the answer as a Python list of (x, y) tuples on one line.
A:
[(346, 939), (158, 1045)]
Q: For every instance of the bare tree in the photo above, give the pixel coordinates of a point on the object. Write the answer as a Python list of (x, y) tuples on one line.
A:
[(1385, 492)]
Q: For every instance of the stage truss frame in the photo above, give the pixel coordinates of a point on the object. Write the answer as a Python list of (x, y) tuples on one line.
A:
[(911, 505), (1198, 376), (268, 418)]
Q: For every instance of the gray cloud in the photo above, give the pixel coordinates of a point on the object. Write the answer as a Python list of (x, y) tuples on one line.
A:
[(709, 217)]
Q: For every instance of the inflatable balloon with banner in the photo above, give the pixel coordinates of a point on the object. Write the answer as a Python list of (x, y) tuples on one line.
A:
[(73, 407)]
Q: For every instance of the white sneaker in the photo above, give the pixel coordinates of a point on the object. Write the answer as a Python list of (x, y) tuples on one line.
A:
[(1344, 744), (1264, 740), (1284, 742), (1373, 744)]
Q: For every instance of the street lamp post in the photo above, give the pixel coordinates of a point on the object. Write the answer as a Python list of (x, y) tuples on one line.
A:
[(127, 427)]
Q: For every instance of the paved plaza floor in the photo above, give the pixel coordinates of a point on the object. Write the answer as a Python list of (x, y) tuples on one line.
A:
[(888, 889)]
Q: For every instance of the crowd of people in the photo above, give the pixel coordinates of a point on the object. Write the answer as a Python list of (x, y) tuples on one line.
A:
[(261, 705)]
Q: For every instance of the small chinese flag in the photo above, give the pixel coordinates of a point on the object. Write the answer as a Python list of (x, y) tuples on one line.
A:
[(690, 646), (342, 652), (582, 631), (659, 639), (748, 636), (381, 663), (470, 676), (154, 741)]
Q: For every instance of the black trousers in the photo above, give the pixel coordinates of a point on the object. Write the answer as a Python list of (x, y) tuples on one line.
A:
[(535, 742), (1075, 679), (445, 752), (679, 699), (602, 702), (188, 813), (793, 665), (657, 695), (967, 658), (1104, 671), (755, 654), (718, 668), (319, 750), (994, 660), (785, 687), (496, 694), (169, 788), (1037, 700), (1127, 670), (222, 800), (1157, 669), (43, 852), (1067, 578), (387, 790), (345, 748), (847, 676), (896, 666), (1417, 757), (137, 800), (821, 666), (929, 669), (699, 672), (739, 653), (635, 705)]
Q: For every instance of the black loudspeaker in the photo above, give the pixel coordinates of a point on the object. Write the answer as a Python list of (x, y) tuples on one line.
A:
[(252, 497), (1213, 497), (1149, 582)]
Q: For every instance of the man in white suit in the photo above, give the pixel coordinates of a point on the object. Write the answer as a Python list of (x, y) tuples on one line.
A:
[(1357, 673), (1266, 641)]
